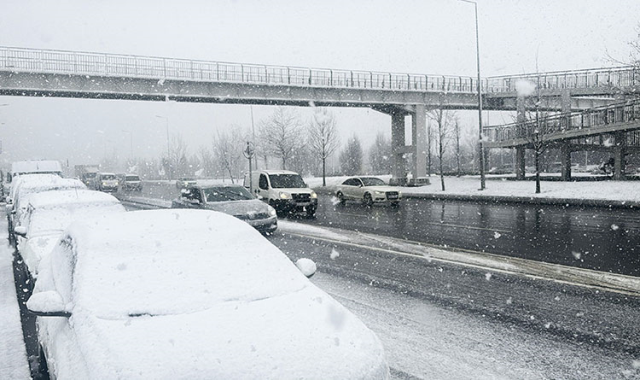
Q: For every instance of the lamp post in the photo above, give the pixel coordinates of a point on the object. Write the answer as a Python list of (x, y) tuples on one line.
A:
[(131, 141), (166, 119), (249, 153), (479, 85)]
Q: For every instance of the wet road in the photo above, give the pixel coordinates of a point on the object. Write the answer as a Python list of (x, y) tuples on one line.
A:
[(592, 238)]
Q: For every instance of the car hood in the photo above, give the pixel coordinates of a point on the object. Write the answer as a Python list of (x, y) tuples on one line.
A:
[(304, 334), (244, 207), (295, 190)]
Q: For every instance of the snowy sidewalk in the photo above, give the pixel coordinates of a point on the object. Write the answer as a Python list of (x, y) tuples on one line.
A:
[(13, 354), (591, 193)]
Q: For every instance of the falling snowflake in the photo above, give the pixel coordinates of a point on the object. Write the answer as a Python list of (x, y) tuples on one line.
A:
[(487, 276), (334, 254), (496, 235), (614, 227), (577, 255), (509, 301)]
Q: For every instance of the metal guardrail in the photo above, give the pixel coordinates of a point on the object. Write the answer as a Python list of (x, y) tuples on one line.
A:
[(68, 62), (616, 77), (82, 63), (593, 118)]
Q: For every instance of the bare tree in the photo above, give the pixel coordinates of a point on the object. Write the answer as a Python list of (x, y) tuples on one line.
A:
[(444, 120), (351, 157), (281, 134), (227, 150), (323, 137), (175, 161), (456, 138), (207, 162), (380, 155)]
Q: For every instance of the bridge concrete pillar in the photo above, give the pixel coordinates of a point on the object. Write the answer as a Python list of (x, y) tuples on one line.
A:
[(618, 155), (565, 107), (565, 160), (520, 109), (398, 149), (520, 162), (521, 117), (418, 141)]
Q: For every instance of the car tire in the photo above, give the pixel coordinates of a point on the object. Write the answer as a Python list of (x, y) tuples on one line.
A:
[(341, 198), (367, 200)]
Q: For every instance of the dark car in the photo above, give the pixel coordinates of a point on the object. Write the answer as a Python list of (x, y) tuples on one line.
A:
[(234, 200)]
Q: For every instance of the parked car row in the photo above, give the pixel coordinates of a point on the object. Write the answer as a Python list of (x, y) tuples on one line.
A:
[(178, 293)]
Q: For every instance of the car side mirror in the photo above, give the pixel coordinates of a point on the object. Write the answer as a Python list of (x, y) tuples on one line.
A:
[(20, 231), (307, 267), (47, 304)]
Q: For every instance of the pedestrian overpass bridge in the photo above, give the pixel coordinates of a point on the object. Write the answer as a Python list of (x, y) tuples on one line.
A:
[(52, 73)]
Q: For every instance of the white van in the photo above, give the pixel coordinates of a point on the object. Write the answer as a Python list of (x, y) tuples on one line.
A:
[(283, 190)]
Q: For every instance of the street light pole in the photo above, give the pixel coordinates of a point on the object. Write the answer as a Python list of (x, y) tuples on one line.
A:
[(479, 86), (166, 118), (131, 141)]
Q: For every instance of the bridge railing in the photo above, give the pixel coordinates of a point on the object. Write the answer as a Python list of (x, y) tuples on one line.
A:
[(623, 76), (96, 64), (593, 118)]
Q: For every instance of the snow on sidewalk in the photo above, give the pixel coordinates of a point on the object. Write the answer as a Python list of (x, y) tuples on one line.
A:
[(13, 354)]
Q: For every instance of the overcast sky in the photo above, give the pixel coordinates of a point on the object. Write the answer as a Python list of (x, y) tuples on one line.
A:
[(422, 36)]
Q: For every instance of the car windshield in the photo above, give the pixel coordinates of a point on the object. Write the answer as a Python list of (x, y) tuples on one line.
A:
[(132, 178), (372, 181), (227, 193), (286, 181), (108, 176)]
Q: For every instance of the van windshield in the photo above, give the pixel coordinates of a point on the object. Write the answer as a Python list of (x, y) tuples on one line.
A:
[(286, 181)]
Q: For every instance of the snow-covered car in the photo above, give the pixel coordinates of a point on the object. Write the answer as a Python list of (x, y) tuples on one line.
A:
[(131, 182), (183, 183), (190, 294), (28, 184), (48, 213), (368, 190), (234, 200)]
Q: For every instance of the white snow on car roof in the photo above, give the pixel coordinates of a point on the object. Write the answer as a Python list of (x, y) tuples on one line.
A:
[(35, 166), (175, 261), (59, 197)]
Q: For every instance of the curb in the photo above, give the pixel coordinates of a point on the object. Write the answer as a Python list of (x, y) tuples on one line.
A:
[(529, 200), (575, 202)]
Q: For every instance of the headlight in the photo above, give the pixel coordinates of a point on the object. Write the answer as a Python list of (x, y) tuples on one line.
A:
[(272, 211), (284, 195), (379, 192), (313, 194)]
